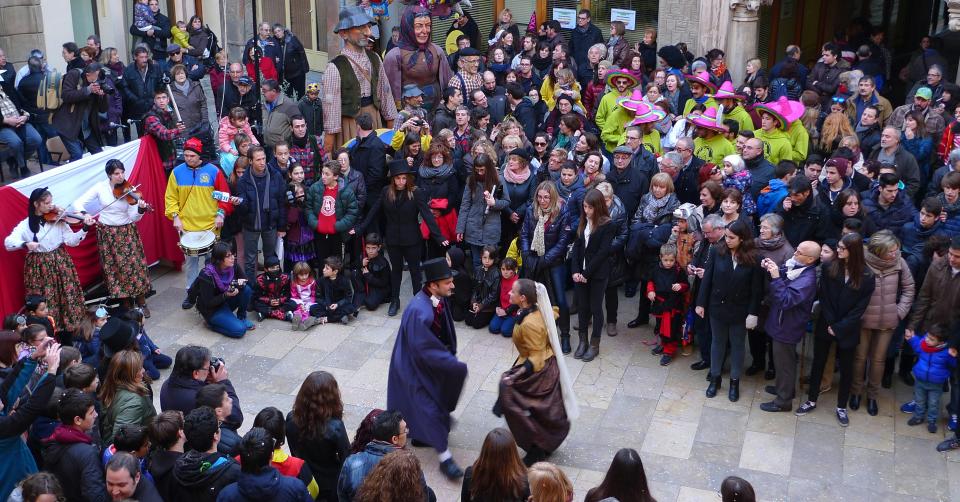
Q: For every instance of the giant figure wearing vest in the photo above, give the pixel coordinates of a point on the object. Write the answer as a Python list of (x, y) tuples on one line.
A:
[(354, 82), (416, 60)]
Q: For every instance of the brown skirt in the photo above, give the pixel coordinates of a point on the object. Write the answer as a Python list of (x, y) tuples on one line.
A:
[(349, 129), (123, 261), (54, 276), (532, 404)]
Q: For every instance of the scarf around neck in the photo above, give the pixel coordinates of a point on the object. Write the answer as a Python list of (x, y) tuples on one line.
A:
[(221, 278), (654, 206), (538, 244), (516, 176)]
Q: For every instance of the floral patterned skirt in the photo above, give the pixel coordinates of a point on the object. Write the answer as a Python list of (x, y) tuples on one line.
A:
[(54, 276), (123, 261)]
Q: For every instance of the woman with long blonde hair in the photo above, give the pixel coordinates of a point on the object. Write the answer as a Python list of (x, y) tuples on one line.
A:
[(835, 127)]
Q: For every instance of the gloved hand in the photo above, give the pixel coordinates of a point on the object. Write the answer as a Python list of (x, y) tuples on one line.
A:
[(751, 322)]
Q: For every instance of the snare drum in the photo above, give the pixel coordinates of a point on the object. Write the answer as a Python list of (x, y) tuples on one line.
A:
[(197, 243)]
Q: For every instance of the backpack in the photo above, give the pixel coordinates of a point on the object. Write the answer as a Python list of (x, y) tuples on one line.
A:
[(48, 94)]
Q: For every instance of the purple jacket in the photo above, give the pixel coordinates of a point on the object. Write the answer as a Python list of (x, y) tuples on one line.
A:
[(790, 305)]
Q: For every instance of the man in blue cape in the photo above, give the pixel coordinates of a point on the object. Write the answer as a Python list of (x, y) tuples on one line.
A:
[(425, 377)]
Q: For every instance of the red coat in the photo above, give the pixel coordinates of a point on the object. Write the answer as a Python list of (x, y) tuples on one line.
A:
[(946, 142), (267, 67)]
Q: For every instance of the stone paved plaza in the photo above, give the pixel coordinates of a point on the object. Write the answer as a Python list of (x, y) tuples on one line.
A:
[(688, 443)]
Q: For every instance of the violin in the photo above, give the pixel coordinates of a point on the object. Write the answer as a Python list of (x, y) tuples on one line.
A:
[(129, 193), (69, 218)]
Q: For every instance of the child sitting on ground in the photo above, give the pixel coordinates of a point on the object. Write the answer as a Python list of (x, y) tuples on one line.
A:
[(337, 292), (503, 320), (931, 371), (37, 312), (665, 290), (303, 292), (375, 275), (89, 340), (153, 359), (486, 289), (271, 293)]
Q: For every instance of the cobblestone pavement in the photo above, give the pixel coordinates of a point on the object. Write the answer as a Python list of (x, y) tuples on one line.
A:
[(688, 443)]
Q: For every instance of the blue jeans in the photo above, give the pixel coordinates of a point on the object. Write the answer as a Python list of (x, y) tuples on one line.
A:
[(502, 325), (225, 322), (927, 395), (475, 253), (191, 266), (21, 142), (46, 132), (75, 146)]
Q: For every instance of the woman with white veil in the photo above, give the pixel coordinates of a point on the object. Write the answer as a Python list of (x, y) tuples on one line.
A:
[(536, 394)]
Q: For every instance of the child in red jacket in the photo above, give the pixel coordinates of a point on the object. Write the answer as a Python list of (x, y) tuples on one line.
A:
[(666, 290)]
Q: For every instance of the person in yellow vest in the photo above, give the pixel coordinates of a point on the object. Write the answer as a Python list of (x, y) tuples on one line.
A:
[(701, 88), (621, 84), (647, 123), (711, 144), (773, 124), (732, 106)]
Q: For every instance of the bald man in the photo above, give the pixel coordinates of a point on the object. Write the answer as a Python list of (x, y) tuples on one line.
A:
[(793, 287)]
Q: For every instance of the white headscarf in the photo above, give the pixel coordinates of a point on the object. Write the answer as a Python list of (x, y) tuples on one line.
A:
[(566, 384)]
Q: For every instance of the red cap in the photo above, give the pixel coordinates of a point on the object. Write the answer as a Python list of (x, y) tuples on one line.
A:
[(194, 145)]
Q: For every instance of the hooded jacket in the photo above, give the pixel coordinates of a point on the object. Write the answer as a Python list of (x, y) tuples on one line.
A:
[(893, 294), (265, 485), (72, 457), (933, 363), (201, 476), (161, 466), (891, 218), (913, 239), (771, 197)]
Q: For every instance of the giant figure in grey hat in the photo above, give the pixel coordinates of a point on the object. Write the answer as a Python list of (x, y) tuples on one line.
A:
[(354, 82)]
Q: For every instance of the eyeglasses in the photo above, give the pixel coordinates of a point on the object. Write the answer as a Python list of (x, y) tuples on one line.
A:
[(540, 143), (206, 368), (841, 246), (633, 138)]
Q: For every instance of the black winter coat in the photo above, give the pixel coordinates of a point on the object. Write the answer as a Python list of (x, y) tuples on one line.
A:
[(161, 463), (629, 185), (841, 306), (486, 288), (138, 90), (593, 259), (892, 218), (158, 42), (271, 213), (324, 455), (199, 477), (79, 469), (180, 393), (79, 102), (402, 218), (209, 298), (730, 294), (293, 59), (368, 155), (687, 184), (806, 222), (312, 112)]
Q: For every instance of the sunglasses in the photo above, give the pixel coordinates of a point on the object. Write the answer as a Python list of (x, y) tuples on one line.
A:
[(540, 143)]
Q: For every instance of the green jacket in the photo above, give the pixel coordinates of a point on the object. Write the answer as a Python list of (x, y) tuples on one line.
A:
[(800, 139), (741, 116), (346, 207), (776, 145), (127, 408)]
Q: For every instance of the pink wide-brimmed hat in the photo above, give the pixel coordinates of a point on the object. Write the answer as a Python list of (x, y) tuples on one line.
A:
[(634, 102), (702, 78), (726, 92), (785, 111), (711, 119), (654, 115)]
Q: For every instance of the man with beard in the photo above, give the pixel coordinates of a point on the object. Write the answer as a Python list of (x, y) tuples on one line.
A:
[(761, 170), (354, 82), (425, 377), (417, 60)]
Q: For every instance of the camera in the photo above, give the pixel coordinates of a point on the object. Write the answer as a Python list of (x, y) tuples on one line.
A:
[(215, 363), (106, 86)]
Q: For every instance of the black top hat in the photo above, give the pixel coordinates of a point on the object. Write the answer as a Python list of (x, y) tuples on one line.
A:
[(399, 166), (436, 269), (116, 335)]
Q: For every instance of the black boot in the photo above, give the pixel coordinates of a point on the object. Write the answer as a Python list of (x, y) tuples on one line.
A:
[(534, 454), (734, 393), (581, 347), (887, 381), (593, 351), (565, 344), (714, 386), (394, 308)]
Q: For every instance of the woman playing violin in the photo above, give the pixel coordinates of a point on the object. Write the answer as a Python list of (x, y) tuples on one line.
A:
[(121, 250), (48, 270)]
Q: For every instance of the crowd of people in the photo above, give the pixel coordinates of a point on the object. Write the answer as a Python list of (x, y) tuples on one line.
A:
[(553, 169)]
